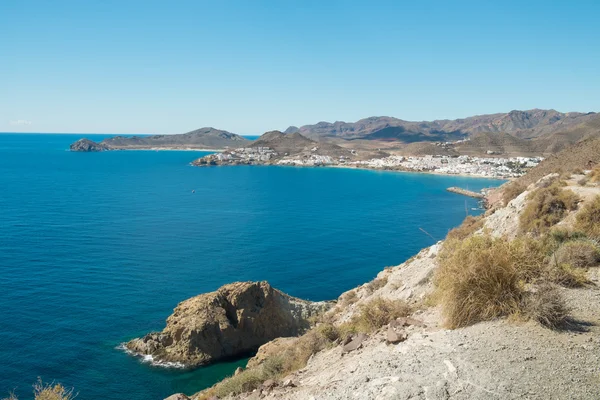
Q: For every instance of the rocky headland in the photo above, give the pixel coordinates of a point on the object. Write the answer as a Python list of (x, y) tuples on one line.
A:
[(199, 139), (234, 320)]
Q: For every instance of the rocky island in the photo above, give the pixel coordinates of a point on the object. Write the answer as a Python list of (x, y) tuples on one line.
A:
[(234, 320)]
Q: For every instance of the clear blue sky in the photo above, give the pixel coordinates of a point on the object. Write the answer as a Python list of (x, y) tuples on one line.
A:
[(252, 66)]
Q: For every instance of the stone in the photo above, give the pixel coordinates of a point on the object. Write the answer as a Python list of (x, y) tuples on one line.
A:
[(394, 337), (269, 384), (355, 343), (238, 371), (236, 319), (288, 383)]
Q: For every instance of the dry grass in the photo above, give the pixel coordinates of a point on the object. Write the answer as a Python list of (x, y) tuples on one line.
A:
[(546, 306), (376, 284), (588, 219), (48, 391), (348, 298), (469, 226), (580, 253), (477, 281), (377, 313), (595, 174), (546, 207), (512, 190)]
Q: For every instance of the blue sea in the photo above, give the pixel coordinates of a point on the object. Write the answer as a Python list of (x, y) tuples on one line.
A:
[(98, 248)]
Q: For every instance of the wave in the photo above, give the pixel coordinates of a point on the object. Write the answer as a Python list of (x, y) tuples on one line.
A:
[(149, 359)]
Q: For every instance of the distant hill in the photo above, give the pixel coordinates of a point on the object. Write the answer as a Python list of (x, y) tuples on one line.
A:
[(582, 155), (521, 124), (203, 138)]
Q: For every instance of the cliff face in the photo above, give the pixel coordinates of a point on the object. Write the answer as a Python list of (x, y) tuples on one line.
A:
[(235, 319)]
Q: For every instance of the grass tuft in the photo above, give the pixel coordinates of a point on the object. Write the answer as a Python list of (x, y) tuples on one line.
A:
[(588, 219), (546, 306), (546, 207)]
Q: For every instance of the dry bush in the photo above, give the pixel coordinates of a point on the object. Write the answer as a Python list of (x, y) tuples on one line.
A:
[(578, 253), (376, 284), (469, 226), (595, 174), (477, 281), (588, 219), (566, 275), (48, 391), (546, 207), (546, 306), (512, 190), (377, 313), (348, 298)]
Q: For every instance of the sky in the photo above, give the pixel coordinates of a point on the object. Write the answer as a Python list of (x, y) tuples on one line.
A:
[(252, 66)]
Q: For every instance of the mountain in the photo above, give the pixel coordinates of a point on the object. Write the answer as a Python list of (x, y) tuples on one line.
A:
[(203, 138), (521, 124)]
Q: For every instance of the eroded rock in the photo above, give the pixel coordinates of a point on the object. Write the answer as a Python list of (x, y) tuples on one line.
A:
[(235, 319)]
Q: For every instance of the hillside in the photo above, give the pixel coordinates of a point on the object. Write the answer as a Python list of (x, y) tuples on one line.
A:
[(203, 138), (521, 124)]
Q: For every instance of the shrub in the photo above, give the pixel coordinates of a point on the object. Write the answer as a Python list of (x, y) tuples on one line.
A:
[(566, 275), (578, 253), (246, 381), (45, 391), (469, 226), (546, 207), (595, 174), (377, 313), (512, 190), (588, 219), (546, 306), (478, 280), (376, 284)]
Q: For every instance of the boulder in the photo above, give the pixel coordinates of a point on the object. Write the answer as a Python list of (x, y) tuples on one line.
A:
[(234, 320), (355, 343)]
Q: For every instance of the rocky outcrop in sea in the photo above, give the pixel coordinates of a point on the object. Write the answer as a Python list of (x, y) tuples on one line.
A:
[(234, 320), (86, 145)]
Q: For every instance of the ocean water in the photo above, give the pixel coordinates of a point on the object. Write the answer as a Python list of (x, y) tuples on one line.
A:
[(98, 248)]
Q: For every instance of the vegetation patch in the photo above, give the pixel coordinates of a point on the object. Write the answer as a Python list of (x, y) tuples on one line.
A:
[(477, 281), (512, 190), (375, 314), (581, 253), (546, 207), (588, 219), (547, 307), (45, 391), (469, 226)]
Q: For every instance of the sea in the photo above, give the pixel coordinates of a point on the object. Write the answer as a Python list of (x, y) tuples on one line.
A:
[(98, 248)]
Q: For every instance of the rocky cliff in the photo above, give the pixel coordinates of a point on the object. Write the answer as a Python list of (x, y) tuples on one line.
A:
[(234, 320)]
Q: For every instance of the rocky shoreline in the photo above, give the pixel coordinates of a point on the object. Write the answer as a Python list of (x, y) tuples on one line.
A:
[(234, 320)]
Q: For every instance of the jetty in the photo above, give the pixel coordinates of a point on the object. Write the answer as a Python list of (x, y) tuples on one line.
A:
[(466, 192)]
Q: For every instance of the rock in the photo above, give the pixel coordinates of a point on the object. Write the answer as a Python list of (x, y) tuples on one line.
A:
[(394, 337), (269, 384), (238, 371), (234, 320), (87, 145), (355, 343), (178, 396), (408, 321), (288, 383)]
